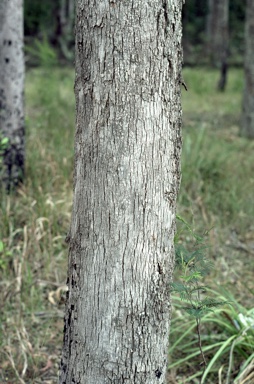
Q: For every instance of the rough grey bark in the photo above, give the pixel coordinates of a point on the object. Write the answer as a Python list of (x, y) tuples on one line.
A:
[(12, 90), (218, 37), (247, 127), (128, 142)]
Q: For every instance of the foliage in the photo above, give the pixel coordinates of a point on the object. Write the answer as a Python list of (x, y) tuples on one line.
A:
[(41, 18), (193, 266), (194, 31), (41, 53), (4, 142), (228, 342), (5, 256), (47, 38), (236, 27), (194, 21)]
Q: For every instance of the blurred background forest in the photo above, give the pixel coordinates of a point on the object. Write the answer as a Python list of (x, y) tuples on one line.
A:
[(52, 22), (216, 199)]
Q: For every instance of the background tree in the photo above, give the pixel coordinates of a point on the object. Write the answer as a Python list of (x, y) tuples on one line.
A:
[(218, 37), (247, 127), (194, 38), (51, 22), (237, 10), (65, 28), (128, 71), (12, 90), (195, 32)]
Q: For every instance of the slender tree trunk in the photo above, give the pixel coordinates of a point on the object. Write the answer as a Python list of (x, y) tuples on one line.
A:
[(121, 256), (247, 128), (66, 18), (12, 90), (218, 37)]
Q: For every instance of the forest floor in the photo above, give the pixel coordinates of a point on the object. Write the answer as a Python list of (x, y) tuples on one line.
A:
[(216, 198)]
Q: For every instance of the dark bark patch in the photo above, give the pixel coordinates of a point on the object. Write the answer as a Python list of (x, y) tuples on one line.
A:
[(160, 270), (165, 9), (158, 373), (7, 42)]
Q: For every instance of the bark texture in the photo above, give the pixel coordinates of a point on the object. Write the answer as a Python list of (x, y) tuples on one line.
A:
[(11, 90), (247, 128), (128, 143), (218, 37)]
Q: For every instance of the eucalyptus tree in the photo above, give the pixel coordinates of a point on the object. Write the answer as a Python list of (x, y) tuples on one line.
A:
[(247, 127), (12, 73), (126, 180)]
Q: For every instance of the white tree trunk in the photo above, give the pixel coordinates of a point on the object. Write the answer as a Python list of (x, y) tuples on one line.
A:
[(128, 142), (12, 89), (248, 94)]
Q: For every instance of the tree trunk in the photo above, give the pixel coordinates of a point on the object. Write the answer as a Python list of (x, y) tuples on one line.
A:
[(128, 142), (65, 28), (12, 90), (218, 37), (247, 128)]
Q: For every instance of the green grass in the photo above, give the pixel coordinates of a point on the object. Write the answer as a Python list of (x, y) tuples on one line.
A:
[(216, 192), (216, 195), (227, 342), (217, 164), (33, 226)]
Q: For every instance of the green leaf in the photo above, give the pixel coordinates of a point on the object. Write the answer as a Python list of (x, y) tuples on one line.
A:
[(4, 141), (193, 277), (217, 356), (180, 218), (178, 287)]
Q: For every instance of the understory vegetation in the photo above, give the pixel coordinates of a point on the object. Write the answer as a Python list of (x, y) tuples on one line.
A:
[(216, 199)]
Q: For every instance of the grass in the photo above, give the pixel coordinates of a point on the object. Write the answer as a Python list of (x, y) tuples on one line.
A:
[(216, 195), (34, 223), (216, 192), (227, 342), (217, 164)]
